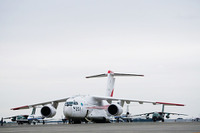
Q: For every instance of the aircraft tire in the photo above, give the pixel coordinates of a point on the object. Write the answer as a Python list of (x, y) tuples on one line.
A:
[(77, 122)]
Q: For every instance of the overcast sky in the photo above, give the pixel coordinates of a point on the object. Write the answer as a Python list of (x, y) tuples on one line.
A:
[(47, 47)]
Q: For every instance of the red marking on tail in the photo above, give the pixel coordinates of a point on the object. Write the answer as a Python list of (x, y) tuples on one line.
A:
[(109, 71), (112, 93)]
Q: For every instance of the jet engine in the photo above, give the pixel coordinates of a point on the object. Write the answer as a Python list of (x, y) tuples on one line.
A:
[(115, 109), (167, 116), (48, 111)]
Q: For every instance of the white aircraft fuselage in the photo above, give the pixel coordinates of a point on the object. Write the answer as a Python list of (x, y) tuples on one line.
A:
[(85, 108)]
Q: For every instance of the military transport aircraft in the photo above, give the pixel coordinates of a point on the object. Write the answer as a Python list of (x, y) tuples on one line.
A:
[(90, 108), (20, 119), (32, 118), (159, 116)]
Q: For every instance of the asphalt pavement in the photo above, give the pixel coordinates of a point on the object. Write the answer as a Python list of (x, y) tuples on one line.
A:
[(137, 127)]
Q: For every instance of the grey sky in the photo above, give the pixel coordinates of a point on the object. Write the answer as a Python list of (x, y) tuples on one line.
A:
[(48, 47)]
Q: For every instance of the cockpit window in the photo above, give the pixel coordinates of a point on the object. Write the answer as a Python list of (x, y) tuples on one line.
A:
[(71, 103), (68, 103)]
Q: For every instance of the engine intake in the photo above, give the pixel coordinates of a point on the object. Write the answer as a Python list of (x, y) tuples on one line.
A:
[(115, 109), (48, 111)]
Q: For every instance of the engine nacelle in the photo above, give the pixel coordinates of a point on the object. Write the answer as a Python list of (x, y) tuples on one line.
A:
[(167, 116), (48, 111), (147, 116), (115, 109)]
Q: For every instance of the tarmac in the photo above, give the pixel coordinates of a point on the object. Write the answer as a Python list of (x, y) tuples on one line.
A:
[(135, 127)]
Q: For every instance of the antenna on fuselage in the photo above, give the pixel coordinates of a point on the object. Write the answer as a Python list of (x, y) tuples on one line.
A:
[(111, 80)]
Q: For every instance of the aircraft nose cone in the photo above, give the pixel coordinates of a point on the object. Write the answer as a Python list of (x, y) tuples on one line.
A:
[(68, 111)]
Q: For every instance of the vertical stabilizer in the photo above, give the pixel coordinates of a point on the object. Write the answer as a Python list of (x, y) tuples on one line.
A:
[(110, 84), (111, 80)]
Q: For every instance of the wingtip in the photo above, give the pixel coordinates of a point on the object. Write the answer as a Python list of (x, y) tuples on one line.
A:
[(175, 104), (22, 107)]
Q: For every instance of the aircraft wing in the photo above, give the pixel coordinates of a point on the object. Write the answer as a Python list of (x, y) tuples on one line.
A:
[(144, 114), (174, 113), (110, 99), (161, 112), (170, 104), (10, 117), (39, 104)]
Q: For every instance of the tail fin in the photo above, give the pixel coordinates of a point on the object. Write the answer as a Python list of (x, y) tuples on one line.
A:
[(111, 80)]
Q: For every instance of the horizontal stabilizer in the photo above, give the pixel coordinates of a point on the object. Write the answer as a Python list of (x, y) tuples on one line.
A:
[(122, 74), (95, 76), (113, 74)]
